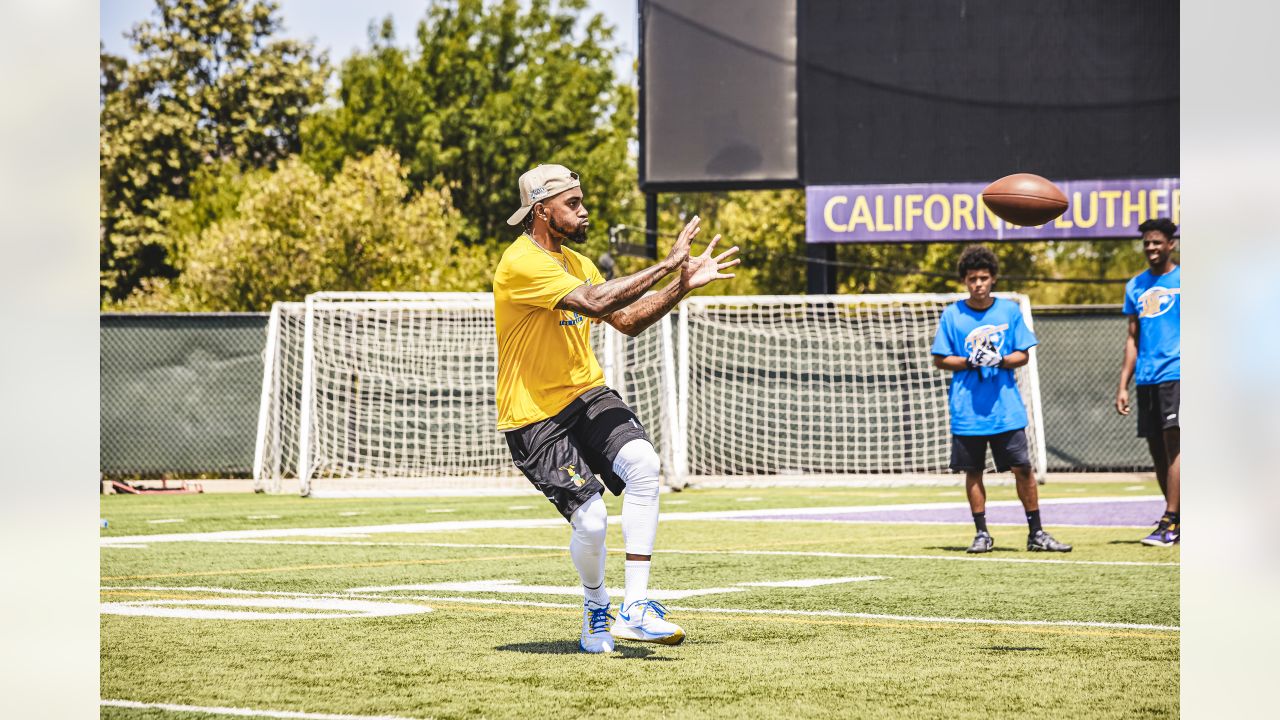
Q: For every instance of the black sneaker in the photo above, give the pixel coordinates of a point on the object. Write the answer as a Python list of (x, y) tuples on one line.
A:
[(1041, 541), (982, 542)]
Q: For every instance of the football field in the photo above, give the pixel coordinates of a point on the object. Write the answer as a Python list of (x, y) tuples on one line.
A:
[(827, 602)]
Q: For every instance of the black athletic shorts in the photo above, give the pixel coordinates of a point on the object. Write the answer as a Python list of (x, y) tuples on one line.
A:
[(1158, 407), (1008, 449), (568, 456)]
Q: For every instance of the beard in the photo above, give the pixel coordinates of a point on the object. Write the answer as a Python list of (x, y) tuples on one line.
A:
[(577, 235)]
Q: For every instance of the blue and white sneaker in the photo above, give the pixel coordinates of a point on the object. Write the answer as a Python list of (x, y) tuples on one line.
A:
[(1165, 535), (595, 628), (644, 620)]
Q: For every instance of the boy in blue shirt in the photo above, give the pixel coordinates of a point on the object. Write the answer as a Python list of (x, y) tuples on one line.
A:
[(981, 340), (1153, 302)]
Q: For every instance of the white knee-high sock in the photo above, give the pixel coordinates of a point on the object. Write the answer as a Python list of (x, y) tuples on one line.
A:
[(586, 546), (638, 466)]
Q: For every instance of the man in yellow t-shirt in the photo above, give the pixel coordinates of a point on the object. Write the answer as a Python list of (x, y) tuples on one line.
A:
[(568, 433)]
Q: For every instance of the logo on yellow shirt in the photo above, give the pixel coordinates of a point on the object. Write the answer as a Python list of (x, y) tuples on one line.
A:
[(574, 318), (574, 322)]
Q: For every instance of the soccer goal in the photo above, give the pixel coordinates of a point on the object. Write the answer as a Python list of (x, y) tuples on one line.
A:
[(785, 387), (369, 392), (396, 392)]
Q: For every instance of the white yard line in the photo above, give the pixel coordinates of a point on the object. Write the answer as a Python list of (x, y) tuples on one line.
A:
[(726, 611), (244, 712), (513, 587), (894, 507), (457, 525), (782, 553), (813, 582)]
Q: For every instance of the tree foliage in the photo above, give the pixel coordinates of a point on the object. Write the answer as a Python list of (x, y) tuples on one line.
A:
[(226, 186), (211, 86), (485, 92), (295, 232)]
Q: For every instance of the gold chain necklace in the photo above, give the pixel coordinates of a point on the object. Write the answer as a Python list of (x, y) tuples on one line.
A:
[(561, 263)]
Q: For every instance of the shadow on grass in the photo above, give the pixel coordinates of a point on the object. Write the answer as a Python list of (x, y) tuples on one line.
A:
[(1010, 648), (553, 647), (1125, 542), (628, 651), (964, 548), (624, 651)]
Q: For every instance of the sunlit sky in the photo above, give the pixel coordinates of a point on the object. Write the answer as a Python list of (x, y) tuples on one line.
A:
[(342, 26)]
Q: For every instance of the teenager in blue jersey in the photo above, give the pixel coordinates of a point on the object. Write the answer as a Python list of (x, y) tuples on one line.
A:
[(981, 340), (1152, 354)]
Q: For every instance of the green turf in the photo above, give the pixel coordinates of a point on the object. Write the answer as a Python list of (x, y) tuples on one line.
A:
[(486, 659)]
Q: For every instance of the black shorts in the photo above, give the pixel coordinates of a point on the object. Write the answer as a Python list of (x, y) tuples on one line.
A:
[(568, 456), (1008, 449), (1158, 407)]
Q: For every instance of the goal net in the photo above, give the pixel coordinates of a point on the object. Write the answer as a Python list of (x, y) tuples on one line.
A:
[(396, 391), (363, 391), (787, 386)]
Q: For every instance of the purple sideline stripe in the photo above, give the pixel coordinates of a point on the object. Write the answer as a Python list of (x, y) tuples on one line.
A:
[(1125, 514)]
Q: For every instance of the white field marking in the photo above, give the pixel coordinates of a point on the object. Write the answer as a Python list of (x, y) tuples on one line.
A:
[(437, 511), (888, 495), (520, 507), (350, 513), (443, 526), (749, 499), (346, 596), (814, 582), (783, 553), (728, 611), (262, 517), (965, 523), (312, 608), (139, 546), (452, 493), (459, 525), (926, 618), (858, 509), (244, 712), (166, 520), (1135, 488), (513, 587), (675, 502)]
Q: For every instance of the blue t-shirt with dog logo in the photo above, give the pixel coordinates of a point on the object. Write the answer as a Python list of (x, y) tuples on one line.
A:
[(984, 400)]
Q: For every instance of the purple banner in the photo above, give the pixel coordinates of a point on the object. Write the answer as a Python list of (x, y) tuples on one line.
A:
[(954, 211)]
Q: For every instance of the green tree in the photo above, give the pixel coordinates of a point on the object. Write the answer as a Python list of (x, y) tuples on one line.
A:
[(487, 91), (211, 87), (294, 232)]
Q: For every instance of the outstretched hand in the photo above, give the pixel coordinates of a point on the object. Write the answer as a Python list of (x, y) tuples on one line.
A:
[(680, 248), (700, 270)]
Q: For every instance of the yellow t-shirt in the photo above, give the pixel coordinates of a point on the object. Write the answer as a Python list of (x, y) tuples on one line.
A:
[(544, 354)]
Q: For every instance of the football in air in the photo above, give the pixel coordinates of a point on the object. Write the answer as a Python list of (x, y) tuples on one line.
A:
[(1024, 199)]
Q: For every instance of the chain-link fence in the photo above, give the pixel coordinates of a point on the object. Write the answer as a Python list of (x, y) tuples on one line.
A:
[(1080, 352), (180, 392)]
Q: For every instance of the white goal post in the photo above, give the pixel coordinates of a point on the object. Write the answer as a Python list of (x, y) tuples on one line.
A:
[(397, 390), (365, 390), (777, 387)]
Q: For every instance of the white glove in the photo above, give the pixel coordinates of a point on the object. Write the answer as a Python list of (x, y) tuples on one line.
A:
[(990, 358), (984, 355)]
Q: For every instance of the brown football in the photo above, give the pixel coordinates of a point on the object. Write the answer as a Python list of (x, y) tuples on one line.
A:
[(1024, 199)]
